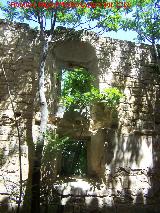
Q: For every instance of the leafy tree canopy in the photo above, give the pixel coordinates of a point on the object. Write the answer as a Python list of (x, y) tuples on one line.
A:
[(78, 91), (145, 21), (101, 16)]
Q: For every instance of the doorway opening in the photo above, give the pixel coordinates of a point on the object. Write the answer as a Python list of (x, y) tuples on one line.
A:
[(74, 158)]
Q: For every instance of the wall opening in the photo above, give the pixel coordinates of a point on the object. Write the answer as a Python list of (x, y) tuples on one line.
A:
[(73, 87), (74, 158), (74, 155)]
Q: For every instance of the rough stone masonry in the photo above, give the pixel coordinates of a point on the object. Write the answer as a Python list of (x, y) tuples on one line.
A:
[(127, 151)]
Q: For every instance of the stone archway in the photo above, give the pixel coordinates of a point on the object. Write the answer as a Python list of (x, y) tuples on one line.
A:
[(69, 54)]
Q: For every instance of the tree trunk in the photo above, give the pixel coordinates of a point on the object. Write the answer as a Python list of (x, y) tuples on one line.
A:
[(157, 56), (31, 154), (36, 177)]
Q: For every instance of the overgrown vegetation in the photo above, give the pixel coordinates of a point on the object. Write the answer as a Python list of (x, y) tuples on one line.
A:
[(74, 158), (74, 152), (78, 91), (54, 143), (145, 21), (104, 20)]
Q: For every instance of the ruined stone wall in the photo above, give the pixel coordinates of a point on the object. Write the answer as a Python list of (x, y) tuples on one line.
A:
[(131, 153), (17, 61), (128, 150)]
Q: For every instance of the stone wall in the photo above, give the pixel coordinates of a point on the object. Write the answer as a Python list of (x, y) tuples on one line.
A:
[(17, 57), (127, 151)]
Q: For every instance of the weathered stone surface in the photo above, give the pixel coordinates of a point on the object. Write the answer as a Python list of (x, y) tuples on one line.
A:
[(124, 152)]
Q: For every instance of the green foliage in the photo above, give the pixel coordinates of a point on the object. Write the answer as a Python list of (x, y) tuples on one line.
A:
[(79, 91), (145, 21), (74, 153), (74, 158), (98, 16), (54, 142), (54, 146), (76, 89), (111, 96)]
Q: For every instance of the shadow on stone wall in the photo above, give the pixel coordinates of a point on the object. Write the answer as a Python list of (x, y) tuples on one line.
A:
[(125, 149), (18, 62), (134, 75), (153, 196), (145, 122)]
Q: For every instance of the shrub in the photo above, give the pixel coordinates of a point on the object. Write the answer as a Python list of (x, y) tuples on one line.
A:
[(78, 91)]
